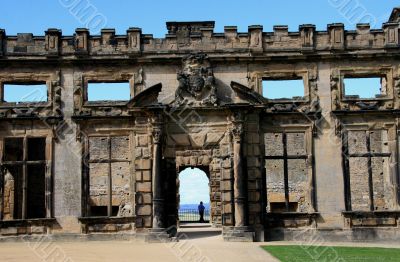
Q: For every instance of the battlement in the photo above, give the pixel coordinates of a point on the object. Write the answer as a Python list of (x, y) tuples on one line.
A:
[(183, 37)]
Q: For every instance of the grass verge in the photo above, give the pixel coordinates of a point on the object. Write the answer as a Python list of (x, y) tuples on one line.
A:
[(337, 254)]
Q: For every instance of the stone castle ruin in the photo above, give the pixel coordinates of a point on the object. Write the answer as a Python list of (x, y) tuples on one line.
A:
[(325, 163)]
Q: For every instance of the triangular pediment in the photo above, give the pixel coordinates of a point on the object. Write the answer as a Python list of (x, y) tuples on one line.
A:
[(146, 98), (244, 95), (395, 16)]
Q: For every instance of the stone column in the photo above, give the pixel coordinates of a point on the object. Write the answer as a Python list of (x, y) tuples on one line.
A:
[(239, 181), (240, 232), (158, 200)]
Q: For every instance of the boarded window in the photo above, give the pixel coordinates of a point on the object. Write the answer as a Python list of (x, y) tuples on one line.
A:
[(25, 93), (367, 167), (116, 91), (109, 175), (24, 162), (283, 89), (366, 87), (286, 172)]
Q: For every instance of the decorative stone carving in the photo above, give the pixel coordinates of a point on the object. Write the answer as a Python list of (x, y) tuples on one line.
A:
[(81, 41), (53, 41), (157, 134), (125, 210), (196, 82), (57, 89), (237, 128), (335, 78), (237, 131), (134, 35), (307, 33)]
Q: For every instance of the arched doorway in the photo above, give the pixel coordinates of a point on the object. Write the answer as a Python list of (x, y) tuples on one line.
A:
[(193, 188)]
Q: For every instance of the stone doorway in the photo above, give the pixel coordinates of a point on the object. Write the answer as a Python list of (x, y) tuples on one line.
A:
[(193, 186), (202, 160)]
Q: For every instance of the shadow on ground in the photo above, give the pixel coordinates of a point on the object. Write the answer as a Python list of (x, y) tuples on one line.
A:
[(196, 231)]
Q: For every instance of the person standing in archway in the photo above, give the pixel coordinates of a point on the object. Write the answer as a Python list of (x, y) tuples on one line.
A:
[(201, 211)]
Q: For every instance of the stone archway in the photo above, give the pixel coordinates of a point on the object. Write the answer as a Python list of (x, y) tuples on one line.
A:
[(203, 160)]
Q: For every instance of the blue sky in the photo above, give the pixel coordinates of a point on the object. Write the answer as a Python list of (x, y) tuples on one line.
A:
[(36, 16), (193, 186)]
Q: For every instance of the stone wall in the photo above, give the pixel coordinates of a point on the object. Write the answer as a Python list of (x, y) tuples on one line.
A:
[(323, 161)]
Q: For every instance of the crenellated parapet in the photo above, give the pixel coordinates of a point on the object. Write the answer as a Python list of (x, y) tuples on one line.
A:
[(184, 37)]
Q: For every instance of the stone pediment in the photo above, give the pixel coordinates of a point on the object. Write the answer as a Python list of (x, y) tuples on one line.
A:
[(395, 16), (243, 94), (148, 97)]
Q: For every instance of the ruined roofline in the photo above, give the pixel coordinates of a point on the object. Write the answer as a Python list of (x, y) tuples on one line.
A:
[(200, 36), (277, 29)]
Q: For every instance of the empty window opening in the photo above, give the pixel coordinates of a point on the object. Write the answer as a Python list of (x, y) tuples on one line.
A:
[(36, 148), (13, 149), (25, 93), (193, 189), (365, 87), (115, 91), (36, 191), (24, 182), (283, 89)]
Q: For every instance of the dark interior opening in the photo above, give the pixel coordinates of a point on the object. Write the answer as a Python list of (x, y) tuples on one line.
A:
[(36, 148), (36, 207), (114, 211), (98, 211), (13, 149), (279, 207)]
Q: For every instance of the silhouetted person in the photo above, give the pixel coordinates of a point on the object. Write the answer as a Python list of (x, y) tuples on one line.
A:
[(201, 212)]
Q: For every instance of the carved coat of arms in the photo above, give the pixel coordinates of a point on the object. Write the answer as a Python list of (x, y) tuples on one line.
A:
[(196, 82)]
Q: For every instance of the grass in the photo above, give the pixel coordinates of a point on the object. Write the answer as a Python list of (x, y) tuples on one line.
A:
[(336, 254)]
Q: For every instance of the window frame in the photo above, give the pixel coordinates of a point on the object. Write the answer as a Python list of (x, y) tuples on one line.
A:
[(369, 155), (47, 162), (86, 172), (386, 73), (26, 83), (293, 98), (287, 75), (308, 156), (124, 78), (51, 80)]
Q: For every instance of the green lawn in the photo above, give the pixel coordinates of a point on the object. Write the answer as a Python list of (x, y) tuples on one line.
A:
[(336, 254)]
